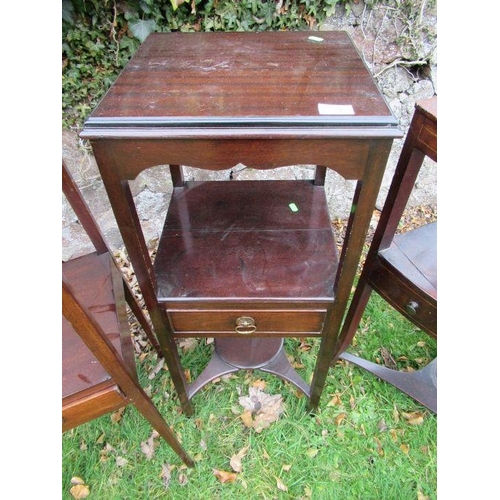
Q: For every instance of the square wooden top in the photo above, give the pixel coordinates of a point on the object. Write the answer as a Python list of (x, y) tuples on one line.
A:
[(267, 79)]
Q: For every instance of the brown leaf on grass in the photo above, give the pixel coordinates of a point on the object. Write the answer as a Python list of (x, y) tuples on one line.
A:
[(281, 485), (287, 467), (267, 408), (380, 449), (166, 475), (188, 344), (236, 459), (307, 492), (77, 480), (382, 426), (116, 416), (183, 479), (421, 496), (260, 384), (156, 369), (148, 447), (389, 361), (80, 491), (224, 476), (340, 418), (335, 401), (304, 346), (395, 415), (414, 417), (247, 419), (396, 433), (312, 452), (404, 448)]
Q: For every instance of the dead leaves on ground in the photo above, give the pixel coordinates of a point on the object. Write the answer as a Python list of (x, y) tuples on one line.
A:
[(236, 459), (236, 464), (224, 476), (79, 488), (260, 409)]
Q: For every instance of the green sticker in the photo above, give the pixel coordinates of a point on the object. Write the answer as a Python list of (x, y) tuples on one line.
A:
[(293, 207)]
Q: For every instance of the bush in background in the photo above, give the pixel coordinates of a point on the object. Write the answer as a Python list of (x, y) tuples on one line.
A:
[(99, 37)]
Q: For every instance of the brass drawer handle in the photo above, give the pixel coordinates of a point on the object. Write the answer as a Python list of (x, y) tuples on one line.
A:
[(245, 325), (412, 307)]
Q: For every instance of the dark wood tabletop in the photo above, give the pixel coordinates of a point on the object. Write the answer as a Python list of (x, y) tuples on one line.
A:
[(269, 78)]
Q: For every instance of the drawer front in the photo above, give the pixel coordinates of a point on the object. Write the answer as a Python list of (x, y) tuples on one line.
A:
[(418, 309), (247, 322)]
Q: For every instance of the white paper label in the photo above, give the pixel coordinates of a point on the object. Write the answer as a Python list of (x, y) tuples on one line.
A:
[(316, 39), (335, 109)]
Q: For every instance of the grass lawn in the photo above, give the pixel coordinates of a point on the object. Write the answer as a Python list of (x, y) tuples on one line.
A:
[(366, 440)]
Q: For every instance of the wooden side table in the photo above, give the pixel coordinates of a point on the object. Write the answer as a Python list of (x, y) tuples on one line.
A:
[(246, 262)]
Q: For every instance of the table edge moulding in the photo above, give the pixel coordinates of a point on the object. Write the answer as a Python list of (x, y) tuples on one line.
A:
[(246, 262)]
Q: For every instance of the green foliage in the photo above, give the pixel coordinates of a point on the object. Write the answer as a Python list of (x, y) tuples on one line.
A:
[(99, 37)]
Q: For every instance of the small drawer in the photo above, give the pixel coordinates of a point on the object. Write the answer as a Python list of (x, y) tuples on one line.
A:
[(247, 322), (422, 312)]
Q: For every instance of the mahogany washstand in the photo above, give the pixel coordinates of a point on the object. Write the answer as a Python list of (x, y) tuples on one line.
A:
[(246, 262)]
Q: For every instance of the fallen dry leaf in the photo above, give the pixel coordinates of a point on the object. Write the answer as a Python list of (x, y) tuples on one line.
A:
[(382, 426), (395, 415), (352, 402), (236, 459), (335, 401), (405, 448), (188, 344), (148, 447), (267, 408), (312, 452), (77, 480), (224, 476), (394, 435), (281, 485), (260, 384), (414, 418), (380, 449), (79, 491), (183, 479), (421, 496), (340, 418), (166, 475), (389, 361), (156, 369), (117, 415), (121, 462), (287, 467), (247, 419)]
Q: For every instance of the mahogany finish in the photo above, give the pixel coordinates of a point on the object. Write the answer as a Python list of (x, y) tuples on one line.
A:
[(245, 262), (228, 78), (402, 268), (98, 364)]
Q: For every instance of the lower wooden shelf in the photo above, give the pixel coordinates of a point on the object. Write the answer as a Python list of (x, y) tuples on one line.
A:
[(251, 260)]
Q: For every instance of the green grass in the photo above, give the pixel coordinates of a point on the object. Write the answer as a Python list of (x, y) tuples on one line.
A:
[(358, 445)]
